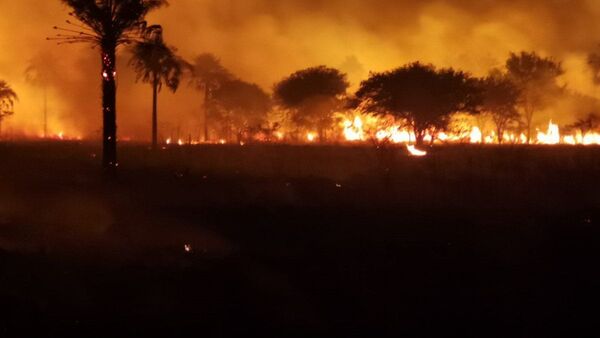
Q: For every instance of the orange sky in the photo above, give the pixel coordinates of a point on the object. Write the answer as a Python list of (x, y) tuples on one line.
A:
[(263, 40)]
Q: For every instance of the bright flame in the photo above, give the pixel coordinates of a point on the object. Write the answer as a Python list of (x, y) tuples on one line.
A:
[(353, 131), (311, 137), (476, 135), (415, 152), (550, 137)]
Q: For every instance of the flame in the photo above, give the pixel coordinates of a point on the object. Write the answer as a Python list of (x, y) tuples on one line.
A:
[(552, 136), (476, 135), (353, 130), (311, 137), (168, 141), (414, 151)]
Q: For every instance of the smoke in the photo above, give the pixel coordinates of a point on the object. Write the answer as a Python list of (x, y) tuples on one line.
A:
[(263, 40)]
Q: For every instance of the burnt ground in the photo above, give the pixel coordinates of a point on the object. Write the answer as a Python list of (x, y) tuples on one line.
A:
[(299, 241)]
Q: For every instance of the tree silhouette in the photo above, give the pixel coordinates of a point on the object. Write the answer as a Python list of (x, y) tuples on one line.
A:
[(594, 63), (7, 101), (587, 125), (208, 74), (500, 100), (156, 63), (108, 24), (242, 106), (421, 95), (536, 78), (39, 73), (312, 95)]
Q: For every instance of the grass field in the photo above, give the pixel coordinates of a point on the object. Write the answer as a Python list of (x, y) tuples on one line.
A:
[(300, 241)]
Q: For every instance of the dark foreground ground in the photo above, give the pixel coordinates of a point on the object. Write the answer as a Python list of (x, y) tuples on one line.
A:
[(299, 242)]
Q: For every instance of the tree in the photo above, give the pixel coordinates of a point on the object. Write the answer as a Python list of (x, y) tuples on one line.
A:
[(156, 63), (312, 96), (39, 73), (500, 99), (7, 102), (536, 78), (594, 63), (242, 106), (587, 125), (208, 75), (422, 95), (108, 24)]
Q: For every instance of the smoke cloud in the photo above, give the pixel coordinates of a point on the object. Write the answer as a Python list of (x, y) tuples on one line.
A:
[(263, 40)]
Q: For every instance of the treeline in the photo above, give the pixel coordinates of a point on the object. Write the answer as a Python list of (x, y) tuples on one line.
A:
[(421, 97)]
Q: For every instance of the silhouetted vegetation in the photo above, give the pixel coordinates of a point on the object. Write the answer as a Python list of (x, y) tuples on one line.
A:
[(156, 63), (241, 108), (536, 78), (311, 96), (586, 125), (422, 95), (500, 100), (108, 24), (208, 75), (7, 102)]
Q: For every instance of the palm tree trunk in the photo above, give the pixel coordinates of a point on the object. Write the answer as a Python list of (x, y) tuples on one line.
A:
[(206, 104), (155, 113), (45, 111), (109, 108)]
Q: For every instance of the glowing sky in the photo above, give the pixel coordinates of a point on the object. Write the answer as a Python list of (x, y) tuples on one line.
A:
[(263, 40)]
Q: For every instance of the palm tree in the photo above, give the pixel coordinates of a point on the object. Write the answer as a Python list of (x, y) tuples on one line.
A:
[(156, 63), (108, 24), (208, 75), (7, 101)]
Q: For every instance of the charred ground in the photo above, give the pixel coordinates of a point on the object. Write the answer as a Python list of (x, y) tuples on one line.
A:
[(319, 241)]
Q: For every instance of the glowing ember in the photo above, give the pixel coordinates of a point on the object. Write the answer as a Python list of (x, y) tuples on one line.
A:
[(168, 141), (413, 151)]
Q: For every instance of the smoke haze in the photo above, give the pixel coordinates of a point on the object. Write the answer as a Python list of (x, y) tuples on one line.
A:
[(263, 40)]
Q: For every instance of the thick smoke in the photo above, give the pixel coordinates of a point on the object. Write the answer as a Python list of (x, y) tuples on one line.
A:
[(263, 40)]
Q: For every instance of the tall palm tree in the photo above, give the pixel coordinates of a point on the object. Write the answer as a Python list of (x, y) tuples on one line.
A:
[(156, 63), (208, 75), (7, 101), (107, 24)]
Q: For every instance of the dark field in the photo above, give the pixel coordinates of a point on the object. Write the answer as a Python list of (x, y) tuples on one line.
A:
[(299, 241)]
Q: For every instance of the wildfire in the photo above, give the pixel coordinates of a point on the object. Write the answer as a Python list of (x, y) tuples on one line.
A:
[(552, 136), (311, 137), (362, 128), (413, 151), (353, 130), (476, 136)]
